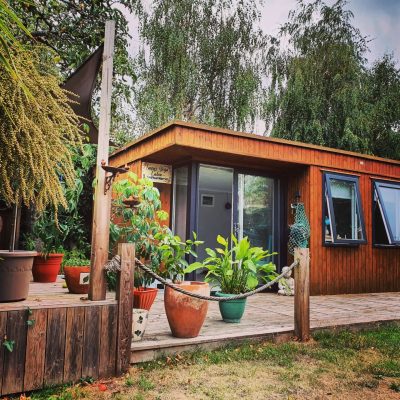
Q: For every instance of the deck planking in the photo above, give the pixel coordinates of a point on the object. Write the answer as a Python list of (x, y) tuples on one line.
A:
[(53, 295)]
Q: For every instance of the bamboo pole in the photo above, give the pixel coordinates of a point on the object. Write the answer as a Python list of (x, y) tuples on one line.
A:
[(102, 200), (302, 294)]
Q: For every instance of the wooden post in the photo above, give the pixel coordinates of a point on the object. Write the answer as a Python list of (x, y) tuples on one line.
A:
[(302, 294), (102, 201), (125, 305)]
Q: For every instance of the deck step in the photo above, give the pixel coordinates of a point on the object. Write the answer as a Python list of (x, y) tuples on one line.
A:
[(149, 350)]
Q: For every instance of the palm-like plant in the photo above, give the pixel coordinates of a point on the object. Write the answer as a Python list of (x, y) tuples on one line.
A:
[(8, 40)]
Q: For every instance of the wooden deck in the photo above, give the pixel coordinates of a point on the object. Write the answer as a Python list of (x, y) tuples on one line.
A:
[(52, 295), (267, 316)]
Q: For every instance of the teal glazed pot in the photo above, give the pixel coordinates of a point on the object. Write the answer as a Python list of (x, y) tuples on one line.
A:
[(231, 310)]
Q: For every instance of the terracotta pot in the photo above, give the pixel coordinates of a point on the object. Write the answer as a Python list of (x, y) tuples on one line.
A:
[(140, 318), (46, 269), (144, 297), (77, 279), (15, 274), (186, 314)]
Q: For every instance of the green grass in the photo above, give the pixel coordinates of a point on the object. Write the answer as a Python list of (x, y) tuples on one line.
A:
[(345, 361)]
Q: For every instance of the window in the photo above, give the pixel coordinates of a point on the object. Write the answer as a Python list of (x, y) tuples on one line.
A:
[(343, 220), (207, 200), (386, 209)]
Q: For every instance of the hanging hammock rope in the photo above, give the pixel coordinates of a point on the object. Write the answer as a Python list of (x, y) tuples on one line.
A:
[(300, 230), (114, 265)]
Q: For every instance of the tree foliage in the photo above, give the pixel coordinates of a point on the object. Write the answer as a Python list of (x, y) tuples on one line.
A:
[(74, 29), (36, 133), (322, 90), (200, 60)]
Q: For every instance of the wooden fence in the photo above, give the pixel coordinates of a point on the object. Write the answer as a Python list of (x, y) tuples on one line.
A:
[(64, 344)]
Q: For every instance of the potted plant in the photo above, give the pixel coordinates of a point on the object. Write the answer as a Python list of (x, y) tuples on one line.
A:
[(235, 270), (138, 218), (185, 314), (77, 271), (143, 295), (47, 239)]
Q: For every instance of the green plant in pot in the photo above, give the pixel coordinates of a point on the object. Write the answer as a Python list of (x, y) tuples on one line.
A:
[(76, 268), (138, 218), (47, 238), (185, 314), (236, 269)]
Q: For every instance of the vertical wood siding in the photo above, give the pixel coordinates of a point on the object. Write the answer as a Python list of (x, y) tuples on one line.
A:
[(359, 269)]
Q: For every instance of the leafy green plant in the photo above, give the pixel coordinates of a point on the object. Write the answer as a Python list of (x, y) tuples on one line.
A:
[(75, 261), (141, 224), (64, 230), (8, 344), (237, 269), (174, 252), (30, 321)]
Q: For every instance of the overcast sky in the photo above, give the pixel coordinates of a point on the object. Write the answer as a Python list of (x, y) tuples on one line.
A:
[(377, 19)]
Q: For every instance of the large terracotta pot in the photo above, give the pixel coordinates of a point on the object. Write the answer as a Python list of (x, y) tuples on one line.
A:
[(143, 298), (46, 269), (186, 314), (77, 279), (15, 274)]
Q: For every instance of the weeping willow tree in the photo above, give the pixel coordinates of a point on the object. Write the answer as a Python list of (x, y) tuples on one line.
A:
[(201, 61), (37, 130)]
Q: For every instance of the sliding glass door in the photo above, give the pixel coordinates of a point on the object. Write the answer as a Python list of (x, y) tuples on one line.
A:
[(212, 200), (255, 209)]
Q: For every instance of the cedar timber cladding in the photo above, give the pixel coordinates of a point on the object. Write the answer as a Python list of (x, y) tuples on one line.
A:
[(334, 270)]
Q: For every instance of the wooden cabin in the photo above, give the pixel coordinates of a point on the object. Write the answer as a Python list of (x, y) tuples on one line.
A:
[(217, 181)]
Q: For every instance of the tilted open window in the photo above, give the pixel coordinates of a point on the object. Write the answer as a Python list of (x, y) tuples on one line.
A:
[(343, 219), (386, 209)]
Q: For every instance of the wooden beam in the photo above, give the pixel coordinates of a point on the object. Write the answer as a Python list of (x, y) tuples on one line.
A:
[(102, 200), (125, 305), (302, 294)]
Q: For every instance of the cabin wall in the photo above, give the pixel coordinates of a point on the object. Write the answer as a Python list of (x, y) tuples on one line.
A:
[(359, 269)]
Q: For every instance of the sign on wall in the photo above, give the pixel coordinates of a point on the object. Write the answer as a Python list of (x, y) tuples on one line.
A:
[(159, 173)]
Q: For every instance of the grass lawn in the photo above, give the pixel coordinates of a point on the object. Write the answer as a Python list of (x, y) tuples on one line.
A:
[(341, 365)]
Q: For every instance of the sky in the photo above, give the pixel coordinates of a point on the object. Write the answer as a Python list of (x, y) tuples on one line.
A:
[(379, 20)]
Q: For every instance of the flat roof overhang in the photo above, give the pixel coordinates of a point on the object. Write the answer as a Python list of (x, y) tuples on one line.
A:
[(178, 155), (177, 142)]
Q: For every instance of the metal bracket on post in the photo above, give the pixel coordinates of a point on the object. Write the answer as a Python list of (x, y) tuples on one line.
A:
[(111, 174)]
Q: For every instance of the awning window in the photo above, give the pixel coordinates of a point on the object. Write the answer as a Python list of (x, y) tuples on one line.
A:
[(343, 220), (386, 213)]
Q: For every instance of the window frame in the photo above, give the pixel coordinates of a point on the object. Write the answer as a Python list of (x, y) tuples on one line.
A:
[(376, 186), (328, 209)]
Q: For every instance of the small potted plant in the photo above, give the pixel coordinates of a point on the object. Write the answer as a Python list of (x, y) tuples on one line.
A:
[(185, 314), (235, 270), (77, 271), (143, 295), (47, 239)]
